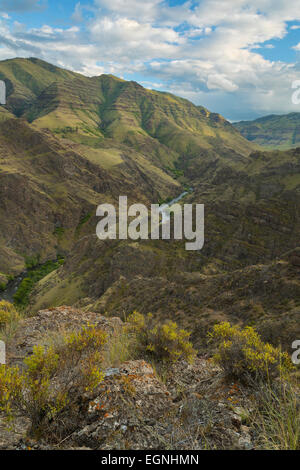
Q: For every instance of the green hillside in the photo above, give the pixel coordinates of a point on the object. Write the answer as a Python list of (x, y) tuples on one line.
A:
[(274, 131), (89, 110), (26, 78)]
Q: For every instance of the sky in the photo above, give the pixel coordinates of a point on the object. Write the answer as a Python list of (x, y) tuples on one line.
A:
[(236, 57)]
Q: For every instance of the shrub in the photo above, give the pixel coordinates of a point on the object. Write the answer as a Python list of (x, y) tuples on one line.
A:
[(160, 342), (10, 388), (53, 379), (243, 355), (8, 313), (9, 321)]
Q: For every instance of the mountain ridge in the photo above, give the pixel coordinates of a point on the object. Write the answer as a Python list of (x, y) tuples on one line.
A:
[(274, 131)]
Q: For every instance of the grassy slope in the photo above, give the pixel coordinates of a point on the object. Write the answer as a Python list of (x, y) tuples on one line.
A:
[(105, 107), (274, 131), (26, 79), (87, 110)]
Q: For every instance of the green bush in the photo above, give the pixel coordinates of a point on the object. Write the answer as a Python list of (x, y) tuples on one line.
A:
[(84, 220), (32, 261), (34, 275), (160, 342), (243, 355), (2, 286)]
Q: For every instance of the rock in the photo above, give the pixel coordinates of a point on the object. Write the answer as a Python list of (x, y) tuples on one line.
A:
[(236, 420), (245, 443), (191, 409), (242, 414), (12, 434), (128, 398)]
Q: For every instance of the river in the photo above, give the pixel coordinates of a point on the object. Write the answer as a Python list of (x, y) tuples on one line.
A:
[(12, 287), (164, 209)]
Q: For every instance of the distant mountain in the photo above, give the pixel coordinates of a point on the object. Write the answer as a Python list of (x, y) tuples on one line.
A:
[(26, 79), (273, 132), (90, 110)]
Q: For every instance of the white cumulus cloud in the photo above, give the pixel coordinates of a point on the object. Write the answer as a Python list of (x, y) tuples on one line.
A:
[(210, 51)]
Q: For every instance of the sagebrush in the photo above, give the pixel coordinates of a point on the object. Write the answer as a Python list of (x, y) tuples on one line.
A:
[(243, 355), (52, 380), (161, 342)]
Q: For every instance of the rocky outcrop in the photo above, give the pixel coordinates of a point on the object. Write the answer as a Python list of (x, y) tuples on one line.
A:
[(54, 321), (134, 408), (194, 409)]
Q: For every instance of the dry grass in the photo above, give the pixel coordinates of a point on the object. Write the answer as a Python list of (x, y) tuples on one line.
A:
[(120, 348), (277, 419)]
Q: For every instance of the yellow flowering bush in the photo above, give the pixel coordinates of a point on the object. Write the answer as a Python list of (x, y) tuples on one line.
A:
[(161, 342), (8, 313), (11, 383), (53, 378), (243, 355)]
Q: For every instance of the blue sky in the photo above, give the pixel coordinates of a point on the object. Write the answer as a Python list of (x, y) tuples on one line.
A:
[(235, 57)]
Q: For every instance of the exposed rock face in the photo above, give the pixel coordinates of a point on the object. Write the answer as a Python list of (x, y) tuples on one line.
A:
[(131, 401), (134, 410), (11, 435), (194, 409)]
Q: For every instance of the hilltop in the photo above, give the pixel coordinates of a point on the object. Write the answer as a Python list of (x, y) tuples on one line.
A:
[(91, 109)]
